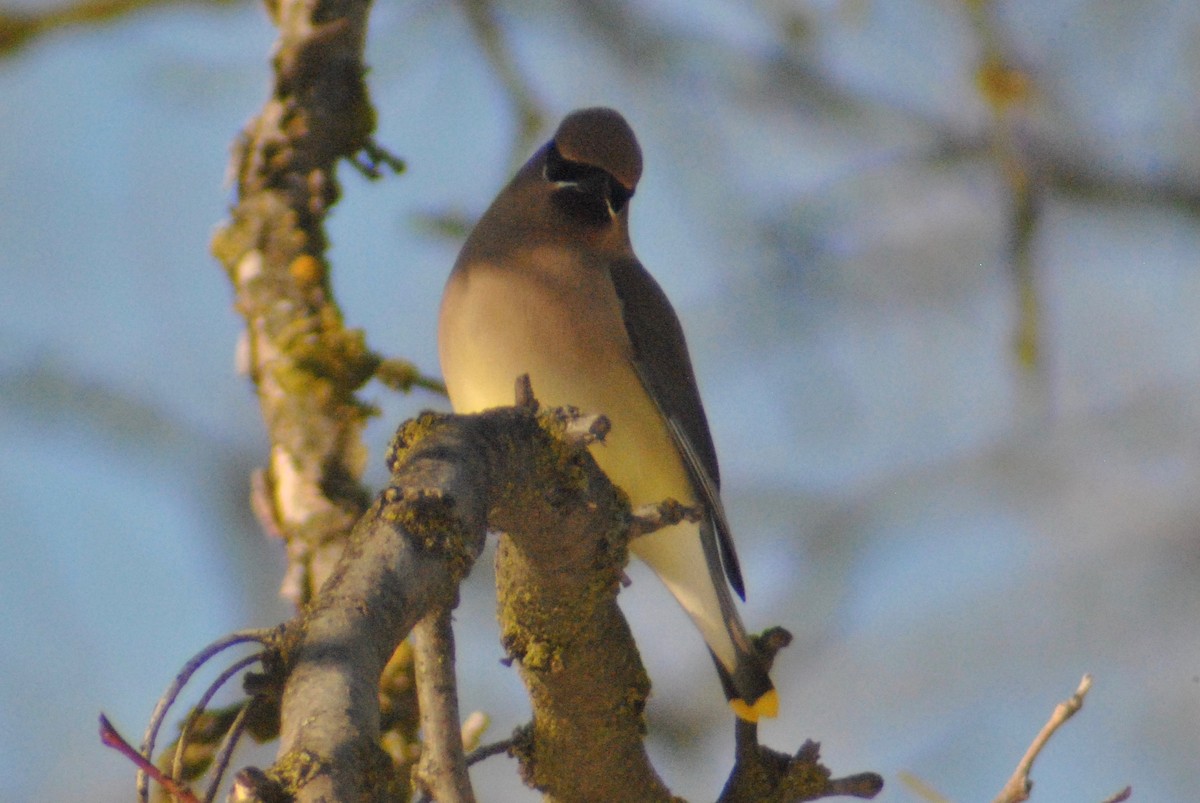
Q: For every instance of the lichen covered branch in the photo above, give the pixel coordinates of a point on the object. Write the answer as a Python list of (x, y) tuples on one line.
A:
[(305, 364)]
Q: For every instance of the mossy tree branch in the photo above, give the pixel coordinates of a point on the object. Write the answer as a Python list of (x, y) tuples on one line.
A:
[(305, 364), (405, 559), (453, 478)]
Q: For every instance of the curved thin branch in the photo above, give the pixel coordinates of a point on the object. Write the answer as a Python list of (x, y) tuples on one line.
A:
[(109, 737), (201, 705), (181, 679), (489, 750), (1018, 786), (225, 753)]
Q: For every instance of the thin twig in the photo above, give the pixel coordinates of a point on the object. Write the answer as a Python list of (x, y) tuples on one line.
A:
[(442, 768), (488, 750), (403, 376), (201, 705), (111, 738), (228, 744), (1018, 786), (475, 756), (262, 636), (18, 28), (922, 789), (1008, 90)]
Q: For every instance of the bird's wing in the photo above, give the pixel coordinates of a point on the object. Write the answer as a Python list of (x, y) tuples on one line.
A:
[(661, 359)]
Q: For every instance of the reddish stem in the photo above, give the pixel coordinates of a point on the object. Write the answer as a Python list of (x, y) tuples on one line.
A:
[(110, 738)]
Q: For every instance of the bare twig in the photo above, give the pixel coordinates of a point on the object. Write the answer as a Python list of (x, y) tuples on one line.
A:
[(1018, 786), (201, 705), (18, 28), (181, 679), (225, 753), (111, 738), (523, 391), (442, 769), (489, 750), (403, 376), (922, 789), (1008, 89)]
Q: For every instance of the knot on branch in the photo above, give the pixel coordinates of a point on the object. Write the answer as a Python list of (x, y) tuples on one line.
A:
[(768, 644), (252, 785), (408, 435), (651, 518)]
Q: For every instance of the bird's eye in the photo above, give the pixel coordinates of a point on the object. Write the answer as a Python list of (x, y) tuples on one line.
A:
[(618, 196), (590, 194)]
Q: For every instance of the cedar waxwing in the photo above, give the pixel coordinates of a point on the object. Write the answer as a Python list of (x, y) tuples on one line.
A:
[(547, 284)]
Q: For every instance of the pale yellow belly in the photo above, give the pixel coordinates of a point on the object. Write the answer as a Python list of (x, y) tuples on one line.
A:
[(493, 335), (498, 326)]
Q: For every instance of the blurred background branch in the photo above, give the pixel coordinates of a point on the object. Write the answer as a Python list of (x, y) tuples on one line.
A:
[(18, 27)]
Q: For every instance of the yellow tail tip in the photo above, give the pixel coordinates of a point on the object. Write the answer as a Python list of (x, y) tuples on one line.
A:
[(765, 706)]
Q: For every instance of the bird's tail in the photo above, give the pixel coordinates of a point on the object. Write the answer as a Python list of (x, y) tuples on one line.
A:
[(686, 558), (748, 688)]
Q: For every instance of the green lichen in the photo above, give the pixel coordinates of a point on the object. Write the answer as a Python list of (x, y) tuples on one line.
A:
[(433, 521), (804, 781), (333, 353), (560, 459), (408, 435), (294, 770), (542, 656)]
